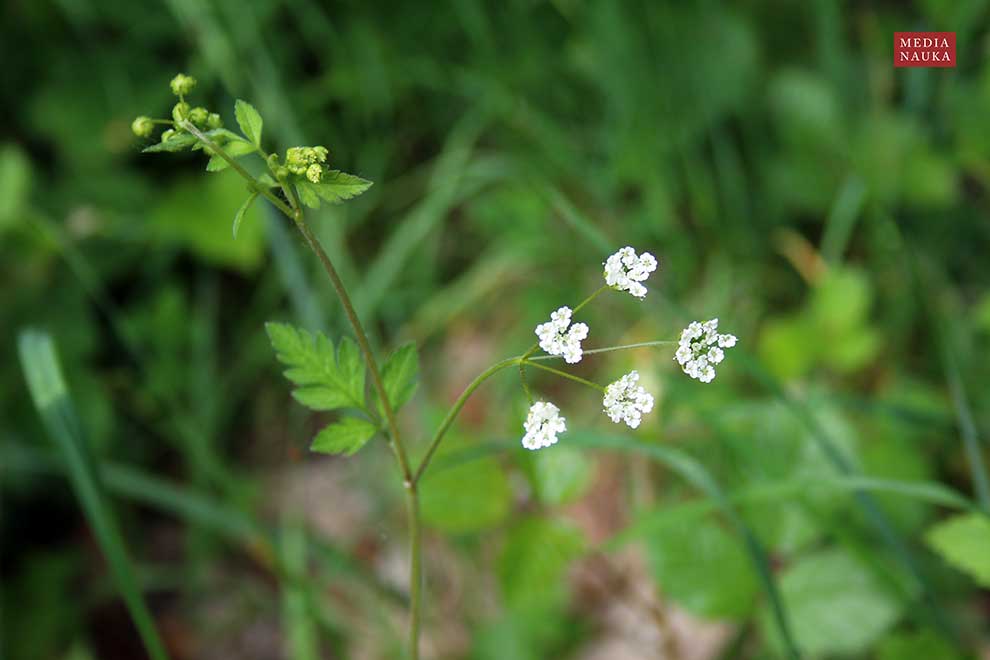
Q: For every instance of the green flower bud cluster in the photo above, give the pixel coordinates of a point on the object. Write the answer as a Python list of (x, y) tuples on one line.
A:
[(306, 161), (199, 116)]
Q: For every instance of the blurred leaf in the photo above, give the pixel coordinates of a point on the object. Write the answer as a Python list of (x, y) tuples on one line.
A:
[(233, 148), (51, 398), (964, 542), (326, 379), (704, 569), (922, 645), (239, 216), (249, 120), (535, 558), (337, 186), (836, 605), (784, 347), (344, 437), (307, 195), (466, 497), (400, 375), (560, 476), (15, 184)]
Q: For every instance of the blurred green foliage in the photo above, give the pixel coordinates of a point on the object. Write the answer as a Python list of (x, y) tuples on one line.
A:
[(830, 209)]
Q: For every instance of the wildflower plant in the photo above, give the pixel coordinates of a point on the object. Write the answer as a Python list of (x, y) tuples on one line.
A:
[(332, 376)]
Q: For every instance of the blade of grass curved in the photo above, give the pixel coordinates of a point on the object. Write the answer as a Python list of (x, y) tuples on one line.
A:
[(51, 397), (695, 473)]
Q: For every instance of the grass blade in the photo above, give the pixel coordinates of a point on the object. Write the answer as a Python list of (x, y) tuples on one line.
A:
[(695, 473), (297, 621), (51, 397)]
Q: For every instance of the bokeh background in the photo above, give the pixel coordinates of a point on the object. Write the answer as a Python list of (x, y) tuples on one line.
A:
[(830, 209)]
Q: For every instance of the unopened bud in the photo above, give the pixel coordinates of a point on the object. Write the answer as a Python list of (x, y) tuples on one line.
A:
[(142, 127), (182, 84)]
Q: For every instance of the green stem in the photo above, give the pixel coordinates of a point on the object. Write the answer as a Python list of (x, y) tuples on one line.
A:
[(395, 442), (564, 374), (607, 349)]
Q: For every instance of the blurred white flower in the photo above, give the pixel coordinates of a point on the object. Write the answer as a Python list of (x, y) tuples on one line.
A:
[(700, 349), (542, 425), (625, 271), (559, 337), (625, 401)]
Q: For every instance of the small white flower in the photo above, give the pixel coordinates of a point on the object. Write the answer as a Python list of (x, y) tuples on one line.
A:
[(542, 425), (700, 349), (556, 338), (625, 271), (627, 402)]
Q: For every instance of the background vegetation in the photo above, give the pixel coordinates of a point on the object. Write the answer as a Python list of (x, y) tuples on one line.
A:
[(829, 209)]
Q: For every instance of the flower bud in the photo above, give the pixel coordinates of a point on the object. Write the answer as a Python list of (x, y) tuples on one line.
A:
[(182, 84), (180, 112), (214, 121), (142, 127), (199, 116), (281, 173), (314, 173), (167, 134)]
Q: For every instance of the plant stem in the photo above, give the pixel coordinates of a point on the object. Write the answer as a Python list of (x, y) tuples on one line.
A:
[(564, 374), (296, 215), (608, 349)]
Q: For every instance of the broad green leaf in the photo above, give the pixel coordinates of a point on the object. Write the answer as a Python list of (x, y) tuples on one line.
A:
[(535, 558), (344, 437), (239, 216), (837, 607), (324, 379), (466, 497), (922, 645), (234, 148), (560, 476), (307, 195), (705, 569), (337, 186), (249, 120), (964, 542), (400, 373), (177, 142), (50, 395)]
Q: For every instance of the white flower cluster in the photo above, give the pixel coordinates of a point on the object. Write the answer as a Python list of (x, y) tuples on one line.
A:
[(625, 271), (700, 349), (556, 338), (542, 425), (625, 401)]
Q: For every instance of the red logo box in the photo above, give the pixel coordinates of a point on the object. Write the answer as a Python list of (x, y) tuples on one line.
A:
[(937, 49)]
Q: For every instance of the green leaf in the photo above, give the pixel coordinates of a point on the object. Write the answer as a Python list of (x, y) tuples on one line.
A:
[(239, 216), (344, 437), (837, 607), (964, 542), (400, 373), (249, 120), (307, 195), (177, 142), (325, 380), (266, 180), (43, 373), (535, 558), (337, 186), (705, 569), (466, 497), (912, 646), (560, 476), (234, 148)]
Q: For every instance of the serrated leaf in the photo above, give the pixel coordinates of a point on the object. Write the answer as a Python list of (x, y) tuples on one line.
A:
[(705, 569), (399, 375), (249, 120), (234, 148), (175, 143), (307, 195), (344, 437), (325, 381), (964, 542), (239, 216), (337, 186)]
